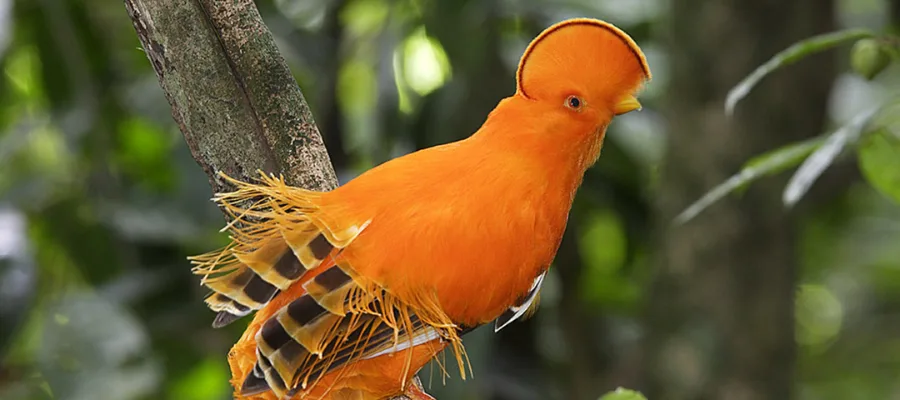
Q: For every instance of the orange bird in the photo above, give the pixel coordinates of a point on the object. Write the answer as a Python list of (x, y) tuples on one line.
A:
[(356, 289)]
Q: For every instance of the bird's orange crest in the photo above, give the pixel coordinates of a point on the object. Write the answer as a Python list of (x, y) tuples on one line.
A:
[(586, 53)]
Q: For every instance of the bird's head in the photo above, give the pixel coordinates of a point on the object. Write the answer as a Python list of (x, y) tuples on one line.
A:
[(585, 66), (579, 74)]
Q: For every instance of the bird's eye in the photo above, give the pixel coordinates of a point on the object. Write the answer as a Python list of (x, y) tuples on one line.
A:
[(574, 103)]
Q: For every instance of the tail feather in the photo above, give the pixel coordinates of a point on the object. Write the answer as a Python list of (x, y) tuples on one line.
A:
[(340, 318), (223, 318), (309, 324), (272, 378), (308, 244), (228, 310), (245, 288), (273, 263), (255, 382), (330, 290)]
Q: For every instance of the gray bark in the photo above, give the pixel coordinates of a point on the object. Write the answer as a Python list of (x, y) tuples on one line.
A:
[(231, 92)]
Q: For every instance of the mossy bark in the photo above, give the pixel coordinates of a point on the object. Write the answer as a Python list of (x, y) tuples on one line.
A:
[(231, 92)]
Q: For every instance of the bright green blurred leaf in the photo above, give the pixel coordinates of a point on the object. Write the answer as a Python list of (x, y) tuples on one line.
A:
[(603, 245), (819, 316), (769, 163), (879, 161), (356, 87), (868, 58), (792, 54), (208, 380), (824, 156), (46, 151), (425, 63), (21, 70), (143, 141), (603, 242), (365, 17), (144, 153), (623, 394), (404, 103)]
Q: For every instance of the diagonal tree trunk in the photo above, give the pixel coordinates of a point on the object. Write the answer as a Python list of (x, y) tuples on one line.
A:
[(720, 314), (231, 92)]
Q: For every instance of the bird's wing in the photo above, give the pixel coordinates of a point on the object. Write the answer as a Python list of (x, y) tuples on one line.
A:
[(334, 324), (329, 316), (276, 239)]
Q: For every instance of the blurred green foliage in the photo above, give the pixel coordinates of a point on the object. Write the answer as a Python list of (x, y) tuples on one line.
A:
[(96, 298), (879, 160), (877, 139), (623, 394)]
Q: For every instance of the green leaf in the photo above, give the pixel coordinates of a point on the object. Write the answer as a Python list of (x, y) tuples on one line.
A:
[(819, 315), (603, 284), (425, 63), (144, 154), (879, 160), (20, 69), (207, 380), (788, 56), (869, 57), (816, 163), (768, 163), (623, 394), (365, 17), (357, 87)]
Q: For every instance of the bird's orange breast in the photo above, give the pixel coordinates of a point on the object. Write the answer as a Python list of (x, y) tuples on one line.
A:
[(473, 226)]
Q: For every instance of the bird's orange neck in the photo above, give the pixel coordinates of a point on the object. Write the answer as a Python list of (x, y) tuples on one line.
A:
[(525, 128)]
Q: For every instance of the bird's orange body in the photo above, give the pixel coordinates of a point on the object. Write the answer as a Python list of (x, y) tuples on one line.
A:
[(357, 288)]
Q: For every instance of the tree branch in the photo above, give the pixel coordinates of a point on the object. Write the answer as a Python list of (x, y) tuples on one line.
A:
[(231, 92)]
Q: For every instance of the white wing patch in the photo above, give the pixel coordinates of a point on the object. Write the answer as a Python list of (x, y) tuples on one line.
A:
[(515, 312), (427, 335)]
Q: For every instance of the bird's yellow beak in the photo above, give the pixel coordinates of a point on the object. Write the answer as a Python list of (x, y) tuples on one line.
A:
[(628, 104)]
